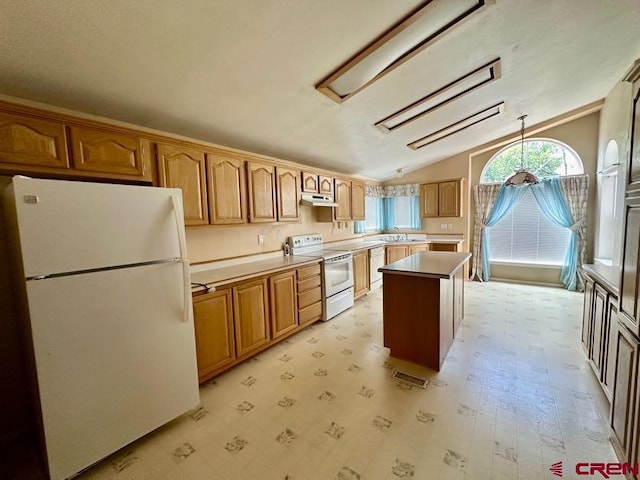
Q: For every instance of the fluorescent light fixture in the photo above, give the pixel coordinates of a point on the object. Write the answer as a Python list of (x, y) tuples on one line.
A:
[(458, 126), (415, 32), (458, 88)]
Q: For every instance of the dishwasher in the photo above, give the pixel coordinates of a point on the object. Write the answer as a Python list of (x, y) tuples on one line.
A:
[(376, 260)]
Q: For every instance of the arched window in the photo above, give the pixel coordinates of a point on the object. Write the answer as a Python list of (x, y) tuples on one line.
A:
[(525, 235), (542, 156)]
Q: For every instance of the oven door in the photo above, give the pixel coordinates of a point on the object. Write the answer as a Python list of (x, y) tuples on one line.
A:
[(338, 274)]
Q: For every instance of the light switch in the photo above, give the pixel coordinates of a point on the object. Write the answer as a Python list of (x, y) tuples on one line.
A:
[(260, 239)]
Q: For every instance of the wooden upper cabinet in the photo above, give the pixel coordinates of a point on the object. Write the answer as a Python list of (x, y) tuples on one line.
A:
[(213, 323), (284, 303), (630, 283), (288, 189), (429, 200), (251, 316), (29, 141), (633, 170), (449, 199), (184, 168), (441, 199), (310, 183), (104, 151), (357, 200), (325, 185), (226, 189), (262, 194), (343, 198)]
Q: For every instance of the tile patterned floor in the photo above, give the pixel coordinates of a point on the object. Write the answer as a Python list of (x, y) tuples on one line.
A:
[(515, 395)]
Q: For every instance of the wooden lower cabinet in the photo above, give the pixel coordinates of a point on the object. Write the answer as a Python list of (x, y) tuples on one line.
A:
[(587, 315), (624, 402), (610, 348), (599, 330), (360, 273), (239, 320), (213, 323), (418, 248), (251, 315), (284, 303), (398, 252), (309, 282), (395, 253), (444, 247)]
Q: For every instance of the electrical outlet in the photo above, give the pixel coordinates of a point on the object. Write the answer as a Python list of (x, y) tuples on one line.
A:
[(449, 226), (260, 239), (443, 226)]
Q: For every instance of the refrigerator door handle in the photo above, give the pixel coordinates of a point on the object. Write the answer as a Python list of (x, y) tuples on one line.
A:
[(186, 279)]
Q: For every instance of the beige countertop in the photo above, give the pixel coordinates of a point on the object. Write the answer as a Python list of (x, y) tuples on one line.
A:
[(215, 277), (366, 244), (428, 264), (607, 276), (357, 245)]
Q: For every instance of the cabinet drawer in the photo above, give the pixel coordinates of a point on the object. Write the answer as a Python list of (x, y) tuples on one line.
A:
[(309, 283), (306, 272), (307, 298), (310, 313)]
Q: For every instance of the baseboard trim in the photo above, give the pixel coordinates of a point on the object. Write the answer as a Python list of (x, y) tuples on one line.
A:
[(527, 282)]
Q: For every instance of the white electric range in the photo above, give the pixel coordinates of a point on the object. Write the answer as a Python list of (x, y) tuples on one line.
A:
[(337, 272)]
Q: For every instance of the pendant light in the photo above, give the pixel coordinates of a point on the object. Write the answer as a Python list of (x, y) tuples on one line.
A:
[(522, 176)]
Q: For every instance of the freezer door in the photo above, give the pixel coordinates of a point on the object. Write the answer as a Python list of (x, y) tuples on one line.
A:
[(114, 359), (69, 226)]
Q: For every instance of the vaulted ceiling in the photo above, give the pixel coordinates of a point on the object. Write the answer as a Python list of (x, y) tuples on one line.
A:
[(243, 73)]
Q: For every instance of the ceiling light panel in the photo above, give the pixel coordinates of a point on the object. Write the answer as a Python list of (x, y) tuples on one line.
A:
[(450, 92), (458, 126), (422, 27)]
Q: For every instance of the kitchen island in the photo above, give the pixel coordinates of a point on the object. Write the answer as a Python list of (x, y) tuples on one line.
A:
[(423, 305)]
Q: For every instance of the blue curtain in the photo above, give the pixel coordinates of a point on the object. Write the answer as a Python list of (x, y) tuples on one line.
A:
[(551, 200), (379, 213), (388, 213), (507, 198), (416, 220), (358, 227)]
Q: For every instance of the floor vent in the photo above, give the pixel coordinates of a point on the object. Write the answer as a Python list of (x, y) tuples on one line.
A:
[(415, 381)]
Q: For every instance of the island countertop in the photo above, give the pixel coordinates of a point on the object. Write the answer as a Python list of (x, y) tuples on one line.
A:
[(428, 264)]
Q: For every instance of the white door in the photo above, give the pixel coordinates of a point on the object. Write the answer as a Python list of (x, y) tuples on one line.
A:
[(69, 226), (115, 359)]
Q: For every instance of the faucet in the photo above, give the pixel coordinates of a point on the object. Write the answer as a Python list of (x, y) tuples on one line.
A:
[(397, 230)]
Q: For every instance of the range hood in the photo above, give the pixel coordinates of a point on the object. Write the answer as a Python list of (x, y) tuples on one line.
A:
[(316, 200)]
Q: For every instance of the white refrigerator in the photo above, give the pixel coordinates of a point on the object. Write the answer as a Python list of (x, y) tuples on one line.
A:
[(104, 285)]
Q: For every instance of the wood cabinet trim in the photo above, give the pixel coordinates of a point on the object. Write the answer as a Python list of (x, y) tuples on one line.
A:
[(268, 196), (49, 139), (207, 371), (280, 324), (165, 153), (288, 194), (83, 120), (233, 197)]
